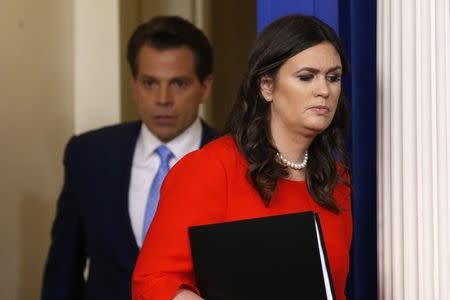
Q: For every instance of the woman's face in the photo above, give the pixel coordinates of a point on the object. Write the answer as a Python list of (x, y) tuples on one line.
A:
[(305, 92)]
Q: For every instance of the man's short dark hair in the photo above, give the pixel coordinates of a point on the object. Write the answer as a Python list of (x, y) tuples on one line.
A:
[(171, 32)]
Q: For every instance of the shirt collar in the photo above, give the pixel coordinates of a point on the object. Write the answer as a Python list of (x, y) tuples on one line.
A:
[(189, 140)]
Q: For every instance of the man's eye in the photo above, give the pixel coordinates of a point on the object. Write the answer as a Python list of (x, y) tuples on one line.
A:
[(179, 83), (306, 77), (148, 83)]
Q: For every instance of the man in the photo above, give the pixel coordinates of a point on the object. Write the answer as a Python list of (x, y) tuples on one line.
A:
[(113, 174)]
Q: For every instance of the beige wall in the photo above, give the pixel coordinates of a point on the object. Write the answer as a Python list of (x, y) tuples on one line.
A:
[(59, 75), (233, 31), (96, 63), (130, 12), (36, 115)]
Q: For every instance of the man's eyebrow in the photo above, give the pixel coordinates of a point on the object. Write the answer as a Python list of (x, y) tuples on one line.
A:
[(185, 78), (181, 77)]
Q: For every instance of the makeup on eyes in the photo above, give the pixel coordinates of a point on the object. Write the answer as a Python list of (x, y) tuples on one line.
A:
[(335, 77)]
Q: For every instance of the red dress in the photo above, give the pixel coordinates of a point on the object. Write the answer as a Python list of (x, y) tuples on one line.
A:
[(210, 186)]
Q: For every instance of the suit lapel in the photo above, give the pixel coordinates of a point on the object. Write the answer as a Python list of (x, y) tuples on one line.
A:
[(125, 161)]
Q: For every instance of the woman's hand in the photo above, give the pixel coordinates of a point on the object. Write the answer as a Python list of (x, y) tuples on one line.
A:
[(185, 294)]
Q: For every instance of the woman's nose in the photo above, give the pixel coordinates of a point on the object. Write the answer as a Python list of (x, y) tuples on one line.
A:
[(322, 88)]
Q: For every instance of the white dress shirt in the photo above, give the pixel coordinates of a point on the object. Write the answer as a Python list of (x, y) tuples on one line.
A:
[(146, 163)]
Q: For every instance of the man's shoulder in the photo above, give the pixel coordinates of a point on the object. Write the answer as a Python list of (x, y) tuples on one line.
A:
[(110, 134), (208, 133), (112, 131), (110, 142)]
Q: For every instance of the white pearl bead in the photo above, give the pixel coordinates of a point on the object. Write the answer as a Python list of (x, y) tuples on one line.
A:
[(292, 165)]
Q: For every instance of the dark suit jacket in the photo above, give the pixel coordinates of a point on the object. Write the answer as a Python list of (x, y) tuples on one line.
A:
[(92, 217)]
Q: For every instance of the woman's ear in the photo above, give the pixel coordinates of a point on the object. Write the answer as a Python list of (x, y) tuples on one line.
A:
[(266, 86)]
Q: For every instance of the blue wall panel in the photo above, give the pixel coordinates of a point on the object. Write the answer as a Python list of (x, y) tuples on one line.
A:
[(358, 24), (269, 10)]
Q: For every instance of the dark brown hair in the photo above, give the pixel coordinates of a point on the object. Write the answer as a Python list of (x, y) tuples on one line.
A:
[(249, 120), (169, 32)]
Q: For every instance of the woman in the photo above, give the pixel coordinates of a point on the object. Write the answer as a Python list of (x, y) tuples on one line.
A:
[(284, 153)]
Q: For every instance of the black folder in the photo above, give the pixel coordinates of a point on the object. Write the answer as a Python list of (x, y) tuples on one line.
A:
[(278, 257)]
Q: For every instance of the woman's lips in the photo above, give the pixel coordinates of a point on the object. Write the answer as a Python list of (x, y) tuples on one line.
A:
[(320, 109)]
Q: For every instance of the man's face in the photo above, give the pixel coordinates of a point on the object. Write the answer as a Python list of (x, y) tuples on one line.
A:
[(167, 90)]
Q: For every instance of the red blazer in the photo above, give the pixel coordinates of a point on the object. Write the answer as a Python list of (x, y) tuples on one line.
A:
[(210, 186)]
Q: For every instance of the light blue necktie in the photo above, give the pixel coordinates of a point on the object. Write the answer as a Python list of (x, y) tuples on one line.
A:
[(153, 196)]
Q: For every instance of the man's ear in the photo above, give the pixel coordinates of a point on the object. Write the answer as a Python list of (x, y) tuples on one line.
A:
[(133, 85), (266, 86), (207, 88)]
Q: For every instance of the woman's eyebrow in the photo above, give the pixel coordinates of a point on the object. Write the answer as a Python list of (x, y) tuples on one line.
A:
[(315, 71)]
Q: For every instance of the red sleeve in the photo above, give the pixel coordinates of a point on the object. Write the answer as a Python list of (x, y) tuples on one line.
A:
[(193, 193)]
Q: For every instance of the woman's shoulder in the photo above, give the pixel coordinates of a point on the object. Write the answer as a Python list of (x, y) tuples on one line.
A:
[(222, 149), (219, 153), (205, 170), (221, 146)]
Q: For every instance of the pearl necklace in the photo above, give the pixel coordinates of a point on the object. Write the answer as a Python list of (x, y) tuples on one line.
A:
[(292, 165)]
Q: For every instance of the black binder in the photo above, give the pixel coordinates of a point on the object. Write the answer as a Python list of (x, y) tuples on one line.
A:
[(279, 257)]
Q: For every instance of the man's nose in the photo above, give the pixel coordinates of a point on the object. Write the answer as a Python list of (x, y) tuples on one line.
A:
[(164, 95)]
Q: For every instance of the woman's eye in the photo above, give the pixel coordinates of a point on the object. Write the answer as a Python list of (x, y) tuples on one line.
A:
[(334, 77), (306, 77)]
